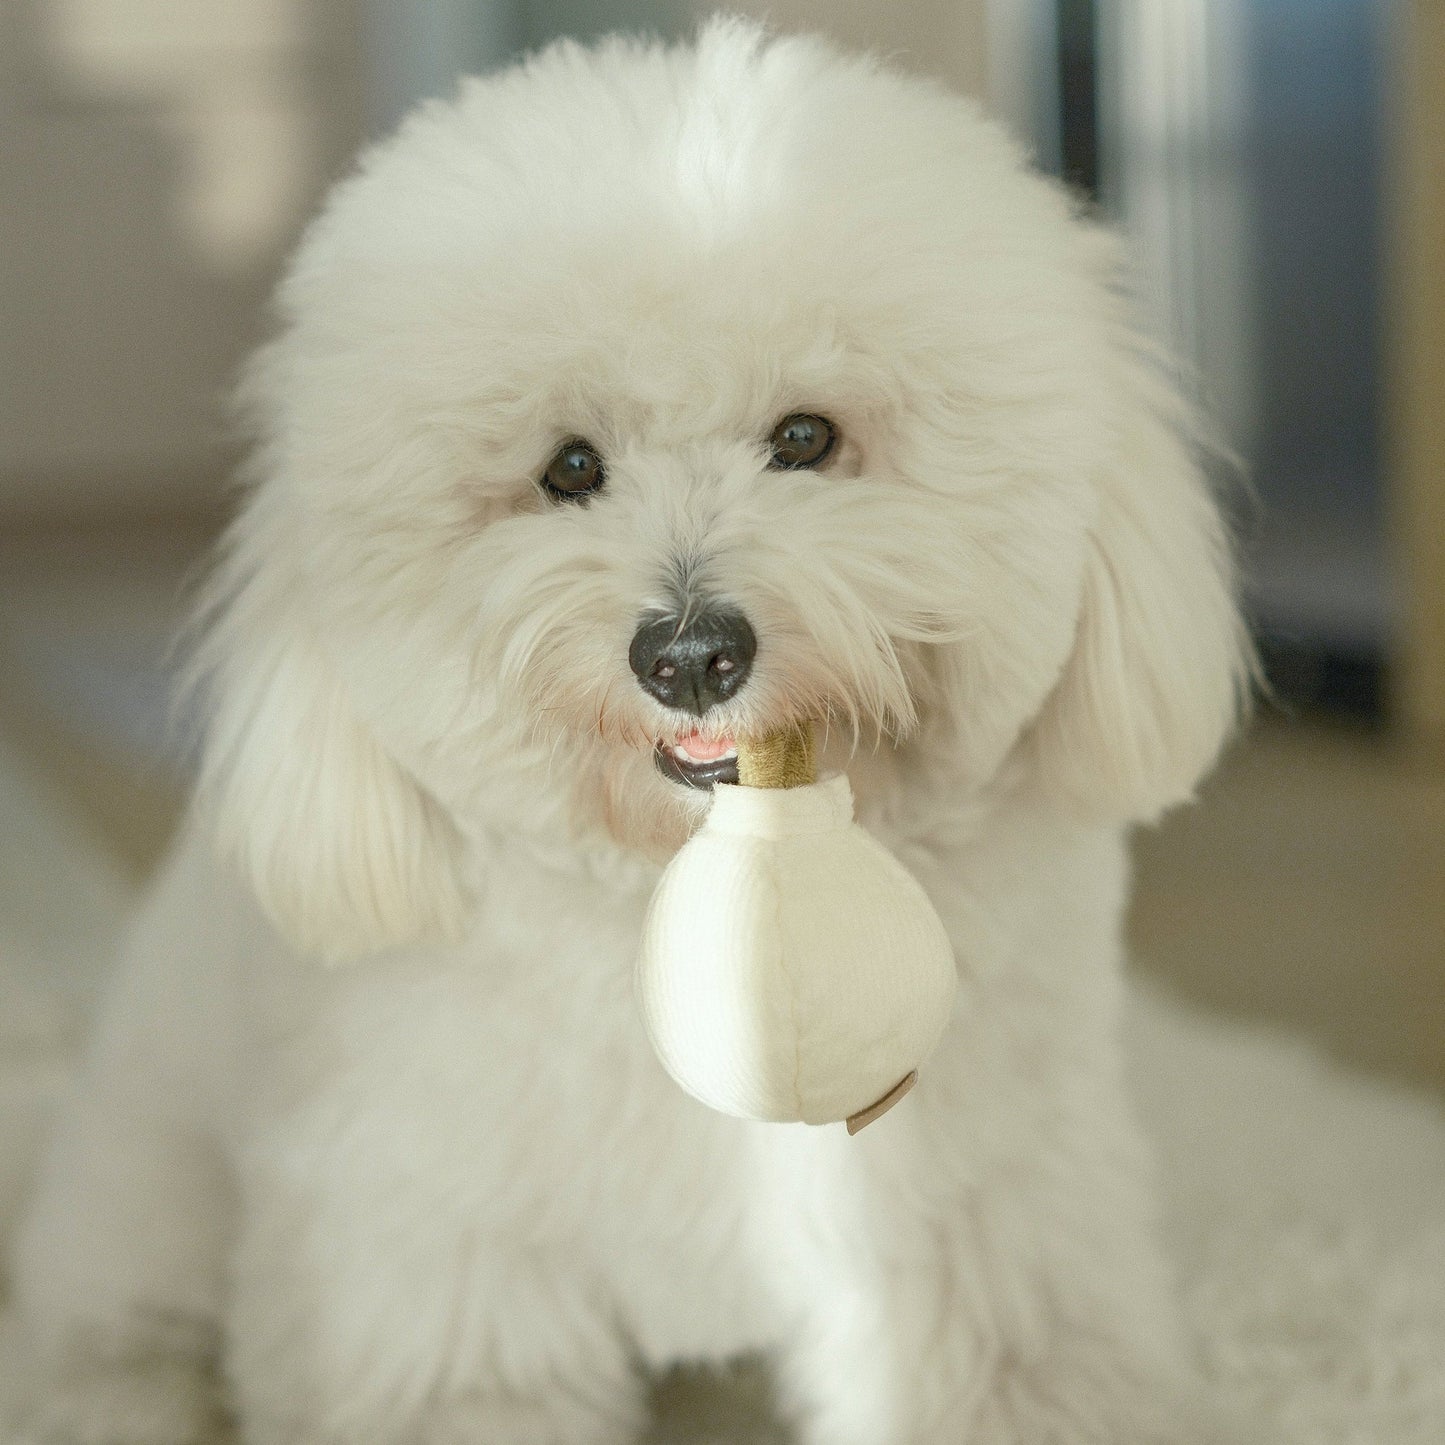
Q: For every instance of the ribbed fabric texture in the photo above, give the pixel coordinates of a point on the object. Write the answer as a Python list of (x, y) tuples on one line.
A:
[(791, 968)]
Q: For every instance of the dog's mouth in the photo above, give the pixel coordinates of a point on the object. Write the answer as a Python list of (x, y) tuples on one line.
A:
[(697, 761)]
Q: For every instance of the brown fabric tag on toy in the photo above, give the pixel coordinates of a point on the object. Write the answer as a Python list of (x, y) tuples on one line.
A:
[(864, 1117), (784, 759)]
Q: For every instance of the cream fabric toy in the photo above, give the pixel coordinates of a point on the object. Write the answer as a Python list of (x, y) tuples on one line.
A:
[(791, 968)]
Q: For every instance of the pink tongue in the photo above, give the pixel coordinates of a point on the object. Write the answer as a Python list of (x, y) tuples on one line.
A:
[(704, 751)]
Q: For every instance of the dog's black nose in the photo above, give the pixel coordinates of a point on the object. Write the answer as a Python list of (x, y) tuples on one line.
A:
[(694, 666)]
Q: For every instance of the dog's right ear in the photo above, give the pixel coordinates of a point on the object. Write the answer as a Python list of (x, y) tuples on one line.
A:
[(1162, 662), (346, 851)]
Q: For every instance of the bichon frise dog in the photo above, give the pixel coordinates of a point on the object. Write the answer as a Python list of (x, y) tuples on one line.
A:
[(791, 352)]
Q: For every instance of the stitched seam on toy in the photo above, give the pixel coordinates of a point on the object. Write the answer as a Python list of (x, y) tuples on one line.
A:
[(792, 988)]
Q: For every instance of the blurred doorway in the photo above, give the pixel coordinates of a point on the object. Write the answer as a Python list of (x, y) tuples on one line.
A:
[(1244, 151)]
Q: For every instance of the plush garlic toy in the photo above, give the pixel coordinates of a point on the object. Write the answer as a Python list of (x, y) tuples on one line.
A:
[(791, 968)]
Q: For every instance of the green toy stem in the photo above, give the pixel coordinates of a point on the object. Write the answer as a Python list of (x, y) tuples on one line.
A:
[(786, 758)]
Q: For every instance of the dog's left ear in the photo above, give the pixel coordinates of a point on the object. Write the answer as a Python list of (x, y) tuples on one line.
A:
[(345, 849), (1161, 659)]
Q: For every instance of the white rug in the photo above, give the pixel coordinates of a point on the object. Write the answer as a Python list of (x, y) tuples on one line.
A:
[(1307, 1208)]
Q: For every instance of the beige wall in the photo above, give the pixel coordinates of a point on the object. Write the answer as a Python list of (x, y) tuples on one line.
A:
[(1418, 370), (154, 163)]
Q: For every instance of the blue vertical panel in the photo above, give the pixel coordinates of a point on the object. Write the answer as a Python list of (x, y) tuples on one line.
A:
[(1314, 166), (1320, 581)]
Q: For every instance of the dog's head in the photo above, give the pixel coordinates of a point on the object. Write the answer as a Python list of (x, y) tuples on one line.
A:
[(644, 398)]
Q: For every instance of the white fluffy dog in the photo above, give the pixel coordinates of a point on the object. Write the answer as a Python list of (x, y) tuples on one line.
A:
[(792, 352)]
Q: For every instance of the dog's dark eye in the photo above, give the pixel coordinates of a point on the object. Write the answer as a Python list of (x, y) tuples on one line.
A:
[(801, 440), (575, 472)]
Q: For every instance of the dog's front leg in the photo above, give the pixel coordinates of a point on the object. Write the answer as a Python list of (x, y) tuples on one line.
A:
[(916, 1355), (1006, 1325), (342, 1333)]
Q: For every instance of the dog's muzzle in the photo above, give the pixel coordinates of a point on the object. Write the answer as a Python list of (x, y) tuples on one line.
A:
[(695, 666), (692, 666)]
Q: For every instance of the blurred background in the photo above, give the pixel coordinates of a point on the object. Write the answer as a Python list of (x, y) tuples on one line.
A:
[(1278, 167)]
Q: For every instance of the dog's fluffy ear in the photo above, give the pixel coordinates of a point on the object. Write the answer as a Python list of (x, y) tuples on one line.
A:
[(345, 850), (1161, 660)]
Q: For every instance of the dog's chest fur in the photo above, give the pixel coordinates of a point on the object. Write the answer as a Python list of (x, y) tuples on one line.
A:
[(506, 1103), (441, 1117)]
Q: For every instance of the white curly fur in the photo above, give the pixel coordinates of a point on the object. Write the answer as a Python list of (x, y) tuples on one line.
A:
[(447, 1193)]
